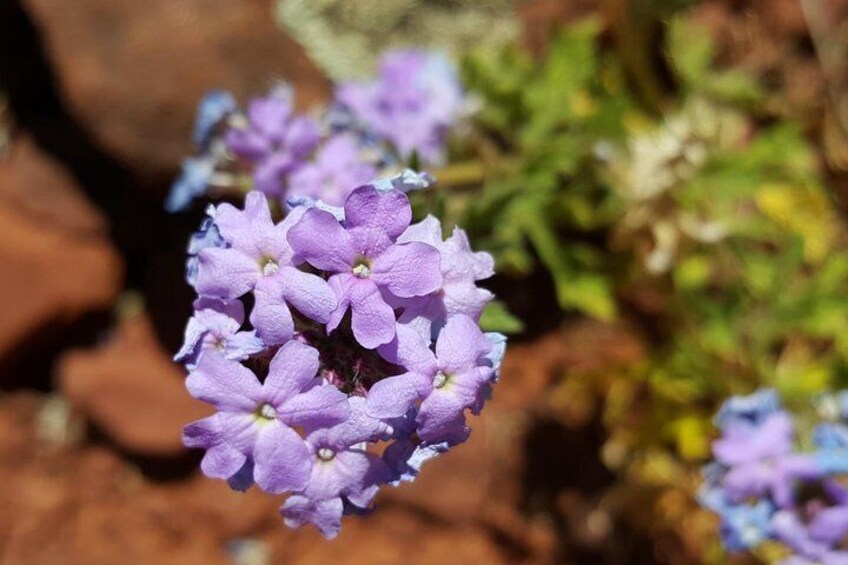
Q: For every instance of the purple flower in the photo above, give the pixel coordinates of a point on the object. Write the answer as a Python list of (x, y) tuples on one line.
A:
[(343, 471), (324, 395), (759, 459), (407, 453), (445, 382), (274, 140), (338, 168), (206, 236), (412, 104), (817, 526), (259, 259), (367, 265), (461, 268), (253, 425), (215, 327)]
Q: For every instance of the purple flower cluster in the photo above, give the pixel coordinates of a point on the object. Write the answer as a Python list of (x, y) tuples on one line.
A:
[(357, 360), (764, 487), (412, 104), (369, 129)]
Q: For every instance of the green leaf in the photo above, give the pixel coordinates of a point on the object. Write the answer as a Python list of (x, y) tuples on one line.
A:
[(497, 318)]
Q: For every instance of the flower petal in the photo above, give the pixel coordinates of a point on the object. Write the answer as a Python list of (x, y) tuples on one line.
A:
[(394, 396), (408, 269), (372, 320), (227, 385), (242, 345), (390, 211), (238, 226), (222, 461), (461, 345), (321, 406), (292, 369), (225, 273), (410, 350), (442, 418), (308, 293), (271, 315), (428, 230), (342, 287), (281, 459), (326, 515), (322, 241)]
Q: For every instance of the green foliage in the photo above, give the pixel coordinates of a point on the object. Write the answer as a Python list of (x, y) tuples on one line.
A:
[(542, 187), (715, 208), (496, 318)]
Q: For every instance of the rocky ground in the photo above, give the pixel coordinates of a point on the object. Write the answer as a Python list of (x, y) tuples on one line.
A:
[(101, 96)]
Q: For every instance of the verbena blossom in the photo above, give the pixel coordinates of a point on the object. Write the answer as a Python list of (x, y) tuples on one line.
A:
[(274, 140), (412, 104), (367, 131), (366, 263), (461, 269), (338, 166), (215, 326), (259, 259), (254, 423), (764, 487), (320, 391)]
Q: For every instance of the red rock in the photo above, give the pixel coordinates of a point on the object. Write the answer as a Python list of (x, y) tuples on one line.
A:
[(389, 536), (133, 72), (89, 505), (34, 184), (131, 390), (57, 261)]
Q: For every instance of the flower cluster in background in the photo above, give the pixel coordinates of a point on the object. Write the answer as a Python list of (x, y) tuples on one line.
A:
[(324, 335), (370, 129), (765, 486)]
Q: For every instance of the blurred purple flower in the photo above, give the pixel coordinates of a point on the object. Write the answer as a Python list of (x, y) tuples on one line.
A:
[(192, 182), (338, 168), (274, 140), (412, 104), (760, 461)]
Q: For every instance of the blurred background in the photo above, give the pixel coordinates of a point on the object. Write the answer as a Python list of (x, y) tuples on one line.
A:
[(662, 182)]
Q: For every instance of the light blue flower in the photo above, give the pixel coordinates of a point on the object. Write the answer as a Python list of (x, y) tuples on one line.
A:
[(213, 108), (744, 526), (191, 184), (751, 409)]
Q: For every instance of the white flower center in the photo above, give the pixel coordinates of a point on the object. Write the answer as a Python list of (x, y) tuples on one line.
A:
[(326, 454), (269, 266), (362, 271), (439, 380), (267, 411)]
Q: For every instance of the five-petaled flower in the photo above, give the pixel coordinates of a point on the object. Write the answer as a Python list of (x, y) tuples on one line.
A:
[(367, 265), (254, 425)]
